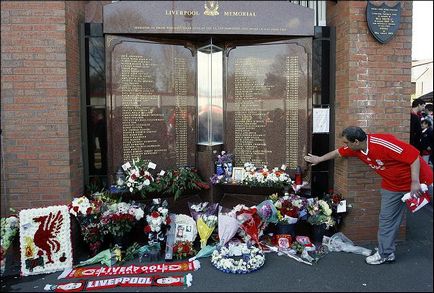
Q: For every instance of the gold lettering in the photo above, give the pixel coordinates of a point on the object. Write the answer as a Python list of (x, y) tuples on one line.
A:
[(239, 13), (182, 12)]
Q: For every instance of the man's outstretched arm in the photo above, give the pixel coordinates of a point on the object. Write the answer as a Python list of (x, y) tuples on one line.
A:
[(316, 159)]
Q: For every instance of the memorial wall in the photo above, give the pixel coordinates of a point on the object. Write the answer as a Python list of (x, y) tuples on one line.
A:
[(152, 98), (152, 80), (267, 104)]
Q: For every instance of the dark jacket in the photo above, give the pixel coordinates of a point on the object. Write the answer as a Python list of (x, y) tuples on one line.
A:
[(426, 141), (415, 131)]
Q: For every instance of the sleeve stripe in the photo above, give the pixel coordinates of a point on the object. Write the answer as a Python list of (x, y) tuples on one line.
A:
[(386, 144)]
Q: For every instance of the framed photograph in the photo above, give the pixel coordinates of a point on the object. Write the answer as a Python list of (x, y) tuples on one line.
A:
[(238, 174), (185, 228)]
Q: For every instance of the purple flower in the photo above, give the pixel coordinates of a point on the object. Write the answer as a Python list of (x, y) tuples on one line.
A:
[(266, 211)]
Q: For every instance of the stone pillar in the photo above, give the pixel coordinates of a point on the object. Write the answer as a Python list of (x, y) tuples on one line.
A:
[(373, 88)]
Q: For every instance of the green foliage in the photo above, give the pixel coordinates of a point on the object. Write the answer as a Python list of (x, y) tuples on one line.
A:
[(177, 182)]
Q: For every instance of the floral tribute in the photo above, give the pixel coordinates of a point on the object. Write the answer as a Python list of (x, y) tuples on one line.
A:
[(320, 213), (260, 177), (276, 177), (138, 178), (238, 258), (179, 181), (88, 213), (158, 221), (205, 215), (288, 207), (119, 218), (9, 229), (183, 249), (45, 240), (335, 200), (250, 222)]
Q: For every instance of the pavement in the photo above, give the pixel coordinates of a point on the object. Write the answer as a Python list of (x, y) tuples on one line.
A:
[(335, 272)]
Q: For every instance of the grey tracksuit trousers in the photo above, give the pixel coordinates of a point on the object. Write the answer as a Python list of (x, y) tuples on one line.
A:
[(391, 214)]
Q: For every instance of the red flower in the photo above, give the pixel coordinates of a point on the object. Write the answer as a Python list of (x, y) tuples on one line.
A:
[(89, 211), (134, 177), (75, 209), (147, 229), (155, 214), (186, 248)]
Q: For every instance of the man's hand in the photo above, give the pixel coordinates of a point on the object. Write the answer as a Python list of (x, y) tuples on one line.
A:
[(416, 190), (312, 159)]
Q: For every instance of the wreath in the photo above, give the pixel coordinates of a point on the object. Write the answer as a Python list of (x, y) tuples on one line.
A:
[(238, 258)]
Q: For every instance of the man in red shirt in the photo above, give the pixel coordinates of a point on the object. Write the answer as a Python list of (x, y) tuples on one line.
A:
[(402, 170)]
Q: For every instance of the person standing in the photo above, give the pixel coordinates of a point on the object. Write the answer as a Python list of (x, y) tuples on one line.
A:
[(402, 170), (415, 128), (426, 143)]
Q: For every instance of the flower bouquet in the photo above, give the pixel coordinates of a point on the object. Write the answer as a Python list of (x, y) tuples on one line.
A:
[(320, 213), (157, 219), (9, 228), (250, 222), (119, 219), (288, 207), (264, 177), (138, 178), (183, 249), (338, 205), (205, 215), (88, 213)]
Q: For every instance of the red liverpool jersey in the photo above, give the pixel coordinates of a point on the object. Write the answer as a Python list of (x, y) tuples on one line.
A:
[(391, 159)]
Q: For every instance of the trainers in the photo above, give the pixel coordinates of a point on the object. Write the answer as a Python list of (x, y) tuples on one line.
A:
[(377, 259)]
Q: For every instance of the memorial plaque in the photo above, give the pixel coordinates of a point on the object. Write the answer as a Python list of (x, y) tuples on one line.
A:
[(383, 21), (267, 103), (209, 17), (151, 102)]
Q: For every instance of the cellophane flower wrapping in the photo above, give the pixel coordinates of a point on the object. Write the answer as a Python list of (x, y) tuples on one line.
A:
[(203, 208), (228, 226), (249, 222), (267, 211), (205, 215), (205, 227)]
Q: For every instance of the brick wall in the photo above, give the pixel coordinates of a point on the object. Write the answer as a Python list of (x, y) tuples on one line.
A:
[(39, 103), (373, 89)]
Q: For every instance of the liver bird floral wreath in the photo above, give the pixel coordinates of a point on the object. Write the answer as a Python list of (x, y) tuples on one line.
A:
[(45, 240), (250, 258)]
